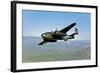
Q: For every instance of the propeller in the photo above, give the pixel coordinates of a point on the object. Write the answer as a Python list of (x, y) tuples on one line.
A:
[(56, 30)]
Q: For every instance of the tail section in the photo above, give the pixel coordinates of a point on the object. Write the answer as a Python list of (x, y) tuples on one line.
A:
[(76, 31)]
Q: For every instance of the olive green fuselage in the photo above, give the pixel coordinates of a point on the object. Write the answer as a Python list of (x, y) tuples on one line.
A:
[(54, 36), (59, 35)]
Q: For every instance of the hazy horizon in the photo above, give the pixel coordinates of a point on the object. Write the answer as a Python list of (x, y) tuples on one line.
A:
[(56, 51), (58, 40)]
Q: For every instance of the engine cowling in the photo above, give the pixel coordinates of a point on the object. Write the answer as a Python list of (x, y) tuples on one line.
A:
[(65, 38)]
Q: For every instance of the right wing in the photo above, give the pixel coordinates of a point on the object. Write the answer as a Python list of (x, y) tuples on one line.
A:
[(66, 29), (43, 42)]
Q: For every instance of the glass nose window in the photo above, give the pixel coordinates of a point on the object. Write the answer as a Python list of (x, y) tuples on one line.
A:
[(44, 35)]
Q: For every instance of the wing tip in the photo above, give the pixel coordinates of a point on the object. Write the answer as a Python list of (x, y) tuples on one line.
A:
[(73, 23), (40, 44), (43, 42)]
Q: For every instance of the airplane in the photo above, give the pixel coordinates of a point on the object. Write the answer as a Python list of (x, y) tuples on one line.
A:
[(59, 35)]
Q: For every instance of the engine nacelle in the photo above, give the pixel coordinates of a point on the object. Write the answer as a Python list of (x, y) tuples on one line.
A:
[(66, 37)]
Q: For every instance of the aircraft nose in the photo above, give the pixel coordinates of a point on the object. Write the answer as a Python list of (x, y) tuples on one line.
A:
[(43, 35)]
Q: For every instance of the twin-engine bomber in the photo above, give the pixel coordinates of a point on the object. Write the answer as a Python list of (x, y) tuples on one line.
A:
[(59, 35)]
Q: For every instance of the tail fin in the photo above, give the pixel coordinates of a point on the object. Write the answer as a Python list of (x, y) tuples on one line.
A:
[(76, 31)]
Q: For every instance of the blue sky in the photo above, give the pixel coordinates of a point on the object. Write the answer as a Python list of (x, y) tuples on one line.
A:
[(37, 22)]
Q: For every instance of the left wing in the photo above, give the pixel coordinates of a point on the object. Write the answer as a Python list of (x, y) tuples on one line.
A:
[(66, 29), (43, 42)]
